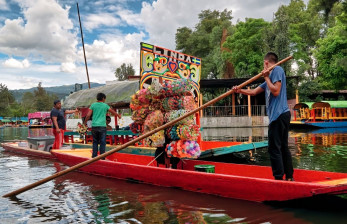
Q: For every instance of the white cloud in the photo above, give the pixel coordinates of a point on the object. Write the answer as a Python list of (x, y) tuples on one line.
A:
[(14, 63), (49, 75), (130, 18), (119, 49), (69, 67), (3, 5), (102, 19), (45, 32)]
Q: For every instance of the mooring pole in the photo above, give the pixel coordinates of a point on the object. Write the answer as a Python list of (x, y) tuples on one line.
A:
[(84, 51)]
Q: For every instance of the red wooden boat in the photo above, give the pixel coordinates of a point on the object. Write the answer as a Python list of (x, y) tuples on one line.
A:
[(25, 150), (247, 182)]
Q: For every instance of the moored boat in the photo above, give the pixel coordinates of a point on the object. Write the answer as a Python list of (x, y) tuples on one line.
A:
[(247, 182), (325, 114), (40, 119), (22, 147)]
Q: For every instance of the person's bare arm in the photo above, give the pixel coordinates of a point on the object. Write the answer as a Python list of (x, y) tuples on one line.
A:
[(55, 122), (251, 92), (89, 114), (275, 89), (114, 113), (71, 111)]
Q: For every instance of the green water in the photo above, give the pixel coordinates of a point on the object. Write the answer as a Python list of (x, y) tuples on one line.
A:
[(84, 198)]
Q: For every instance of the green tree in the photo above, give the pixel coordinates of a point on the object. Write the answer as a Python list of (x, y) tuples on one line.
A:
[(15, 110), (6, 98), (205, 41), (27, 103), (247, 46), (331, 54), (124, 71), (43, 101), (304, 31)]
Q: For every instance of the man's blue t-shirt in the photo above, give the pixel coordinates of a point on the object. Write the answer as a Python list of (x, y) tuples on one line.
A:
[(59, 114), (276, 105)]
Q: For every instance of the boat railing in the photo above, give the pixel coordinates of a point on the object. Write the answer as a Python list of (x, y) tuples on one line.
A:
[(237, 111), (320, 114)]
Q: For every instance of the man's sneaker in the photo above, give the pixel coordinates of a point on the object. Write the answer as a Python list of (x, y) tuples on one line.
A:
[(290, 179)]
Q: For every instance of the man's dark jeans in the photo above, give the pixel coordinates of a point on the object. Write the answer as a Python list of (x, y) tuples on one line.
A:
[(99, 138), (281, 159)]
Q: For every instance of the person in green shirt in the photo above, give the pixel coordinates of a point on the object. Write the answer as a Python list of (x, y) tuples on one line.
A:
[(98, 111)]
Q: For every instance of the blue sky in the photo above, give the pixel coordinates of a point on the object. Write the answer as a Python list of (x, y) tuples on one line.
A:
[(40, 39)]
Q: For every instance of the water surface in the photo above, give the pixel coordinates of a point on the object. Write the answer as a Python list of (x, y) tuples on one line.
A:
[(84, 198)]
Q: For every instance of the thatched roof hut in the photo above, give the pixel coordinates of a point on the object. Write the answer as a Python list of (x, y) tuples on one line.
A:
[(117, 95)]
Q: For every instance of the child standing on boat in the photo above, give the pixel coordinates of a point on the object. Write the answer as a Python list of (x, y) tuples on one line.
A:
[(98, 112), (279, 116)]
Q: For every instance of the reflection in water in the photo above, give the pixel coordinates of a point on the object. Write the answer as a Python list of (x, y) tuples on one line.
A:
[(235, 134), (84, 198)]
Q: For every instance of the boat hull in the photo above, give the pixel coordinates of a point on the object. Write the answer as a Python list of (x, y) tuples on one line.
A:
[(326, 124), (13, 147), (246, 182)]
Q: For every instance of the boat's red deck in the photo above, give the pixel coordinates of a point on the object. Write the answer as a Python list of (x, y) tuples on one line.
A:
[(249, 171)]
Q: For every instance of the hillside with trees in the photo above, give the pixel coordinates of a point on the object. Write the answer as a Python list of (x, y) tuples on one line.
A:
[(18, 103)]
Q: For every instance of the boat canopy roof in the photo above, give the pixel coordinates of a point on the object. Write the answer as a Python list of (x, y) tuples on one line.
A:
[(39, 115), (337, 103), (117, 95), (303, 105), (320, 104), (332, 104)]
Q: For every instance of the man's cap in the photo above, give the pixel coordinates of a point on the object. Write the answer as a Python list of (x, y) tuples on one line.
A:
[(56, 101)]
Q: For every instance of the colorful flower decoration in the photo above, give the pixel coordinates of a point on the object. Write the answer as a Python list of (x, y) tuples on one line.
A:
[(188, 132), (135, 127), (173, 115), (153, 120), (144, 96), (189, 103), (177, 87), (156, 140), (183, 149), (155, 88), (81, 129), (172, 133), (140, 115)]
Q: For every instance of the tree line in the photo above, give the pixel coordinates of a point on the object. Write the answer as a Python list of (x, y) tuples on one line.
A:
[(315, 34), (39, 100)]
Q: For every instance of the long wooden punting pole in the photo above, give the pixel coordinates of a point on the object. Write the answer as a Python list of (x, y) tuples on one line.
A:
[(85, 163), (84, 51)]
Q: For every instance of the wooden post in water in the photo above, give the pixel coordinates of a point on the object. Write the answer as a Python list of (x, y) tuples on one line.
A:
[(249, 104), (132, 142), (233, 104)]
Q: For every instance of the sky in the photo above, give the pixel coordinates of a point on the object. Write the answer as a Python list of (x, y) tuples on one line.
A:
[(40, 40)]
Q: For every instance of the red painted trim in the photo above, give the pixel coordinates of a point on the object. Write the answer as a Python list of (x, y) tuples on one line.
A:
[(246, 182), (11, 147)]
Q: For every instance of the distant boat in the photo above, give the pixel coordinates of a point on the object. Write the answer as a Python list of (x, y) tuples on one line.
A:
[(325, 114), (40, 119)]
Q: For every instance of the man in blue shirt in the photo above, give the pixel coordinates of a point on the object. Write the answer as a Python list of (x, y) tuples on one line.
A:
[(279, 116), (59, 123)]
